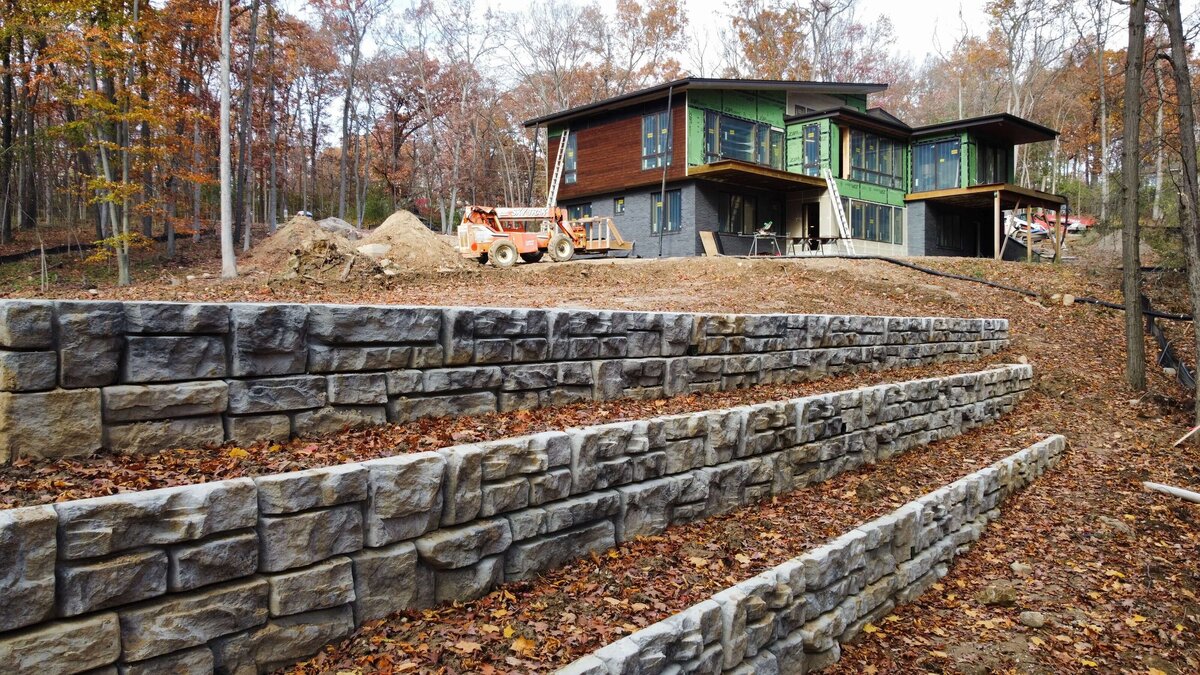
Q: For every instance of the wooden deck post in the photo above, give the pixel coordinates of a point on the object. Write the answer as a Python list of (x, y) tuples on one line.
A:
[(1029, 234), (997, 226)]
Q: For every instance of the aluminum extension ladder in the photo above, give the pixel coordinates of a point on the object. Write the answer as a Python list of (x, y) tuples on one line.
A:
[(556, 178), (839, 213)]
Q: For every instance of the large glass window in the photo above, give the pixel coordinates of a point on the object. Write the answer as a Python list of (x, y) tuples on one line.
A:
[(991, 165), (877, 160), (579, 211), (875, 222), (728, 137), (656, 140), (572, 161), (812, 149), (935, 166), (674, 211)]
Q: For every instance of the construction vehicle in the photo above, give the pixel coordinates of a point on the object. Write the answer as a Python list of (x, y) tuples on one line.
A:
[(504, 235)]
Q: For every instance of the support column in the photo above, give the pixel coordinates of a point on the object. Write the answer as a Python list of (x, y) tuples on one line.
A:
[(997, 226)]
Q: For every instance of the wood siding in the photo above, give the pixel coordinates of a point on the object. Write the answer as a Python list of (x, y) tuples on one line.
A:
[(609, 151)]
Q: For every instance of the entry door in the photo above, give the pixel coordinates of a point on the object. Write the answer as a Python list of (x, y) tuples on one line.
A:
[(812, 220)]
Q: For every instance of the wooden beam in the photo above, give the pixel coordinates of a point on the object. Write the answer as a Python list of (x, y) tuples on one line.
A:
[(997, 226)]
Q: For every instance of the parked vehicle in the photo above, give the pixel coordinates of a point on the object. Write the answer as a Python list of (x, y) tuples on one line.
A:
[(1018, 228)]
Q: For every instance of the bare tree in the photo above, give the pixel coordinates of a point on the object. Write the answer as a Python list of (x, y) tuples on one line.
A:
[(1131, 274), (228, 258)]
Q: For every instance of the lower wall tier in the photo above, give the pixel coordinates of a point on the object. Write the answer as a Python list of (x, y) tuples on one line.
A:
[(248, 574), (793, 618)]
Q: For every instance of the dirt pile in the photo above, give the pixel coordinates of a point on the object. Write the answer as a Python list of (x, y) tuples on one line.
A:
[(409, 246)]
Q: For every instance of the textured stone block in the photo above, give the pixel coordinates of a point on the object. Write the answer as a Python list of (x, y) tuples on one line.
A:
[(282, 642), (268, 339), (371, 323), (327, 359), (389, 579), (119, 580), (26, 324), (28, 371), (462, 491), (461, 546), (213, 560), (276, 394), (176, 317), (89, 343), (258, 428), (404, 497), (504, 496), (469, 583), (183, 621), (287, 542), (63, 647), (137, 403), (311, 488), (358, 389), (102, 525), (170, 358), (27, 552), (528, 558), (326, 584), (408, 409), (461, 379), (144, 437), (50, 424), (332, 420), (195, 661)]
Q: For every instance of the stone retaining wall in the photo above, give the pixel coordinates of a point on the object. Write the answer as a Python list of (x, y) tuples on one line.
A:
[(76, 377), (246, 574), (794, 617)]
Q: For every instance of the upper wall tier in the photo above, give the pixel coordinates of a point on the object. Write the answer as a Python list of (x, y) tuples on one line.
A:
[(76, 377)]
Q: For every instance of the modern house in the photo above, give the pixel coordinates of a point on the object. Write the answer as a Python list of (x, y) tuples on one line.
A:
[(738, 156)]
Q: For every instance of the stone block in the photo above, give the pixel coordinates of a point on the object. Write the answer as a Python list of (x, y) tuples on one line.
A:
[(549, 486), (276, 394), (408, 409), (27, 552), (320, 586), (462, 492), (403, 382), (283, 641), (28, 371), (503, 496), (137, 403), (581, 510), (63, 647), (58, 423), (176, 317), (268, 340), (327, 359), (646, 507), (287, 542), (171, 358), (528, 558), (404, 497), (311, 488), (258, 428), (372, 323), (102, 525), (179, 622), (538, 376), (334, 419), (26, 324), (146, 437), (514, 456), (461, 379), (119, 580), (389, 579), (223, 557), (195, 661), (89, 343), (358, 389), (457, 547), (469, 583)]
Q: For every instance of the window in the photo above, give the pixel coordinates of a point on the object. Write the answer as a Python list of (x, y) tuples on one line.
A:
[(579, 211), (992, 164), (572, 161), (935, 165), (950, 233), (877, 160), (656, 140), (728, 137), (618, 206), (875, 222), (674, 211), (738, 214), (812, 149)]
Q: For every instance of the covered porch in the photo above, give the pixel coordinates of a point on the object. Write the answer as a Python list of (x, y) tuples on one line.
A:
[(970, 221)]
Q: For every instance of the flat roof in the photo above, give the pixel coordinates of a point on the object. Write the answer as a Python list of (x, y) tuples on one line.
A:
[(686, 83), (1000, 127), (876, 119)]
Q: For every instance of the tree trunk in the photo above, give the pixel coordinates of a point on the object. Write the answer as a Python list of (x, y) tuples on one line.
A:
[(1104, 149), (243, 132), (1131, 261), (1156, 213), (273, 132), (1189, 189), (6, 145), (228, 257), (346, 103)]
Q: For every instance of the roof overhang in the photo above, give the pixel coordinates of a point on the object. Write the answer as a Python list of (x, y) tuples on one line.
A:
[(984, 196), (661, 90), (1002, 128), (884, 123), (734, 172)]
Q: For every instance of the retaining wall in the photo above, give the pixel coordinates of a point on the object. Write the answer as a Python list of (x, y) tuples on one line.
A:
[(76, 377), (246, 574), (794, 617)]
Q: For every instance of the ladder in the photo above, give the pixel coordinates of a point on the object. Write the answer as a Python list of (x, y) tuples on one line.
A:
[(838, 212), (556, 177)]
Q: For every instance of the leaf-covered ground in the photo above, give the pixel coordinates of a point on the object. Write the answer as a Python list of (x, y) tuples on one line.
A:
[(1115, 569)]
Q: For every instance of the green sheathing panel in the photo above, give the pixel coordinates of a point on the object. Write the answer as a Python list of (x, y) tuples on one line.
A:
[(771, 106), (830, 142), (968, 172), (858, 102), (833, 149), (869, 192), (740, 104), (795, 148), (555, 130), (695, 134), (759, 106)]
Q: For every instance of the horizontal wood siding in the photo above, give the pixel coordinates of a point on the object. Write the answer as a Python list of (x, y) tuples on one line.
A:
[(609, 150)]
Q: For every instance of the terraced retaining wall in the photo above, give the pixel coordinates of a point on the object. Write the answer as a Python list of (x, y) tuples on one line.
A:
[(794, 617), (241, 575), (80, 376)]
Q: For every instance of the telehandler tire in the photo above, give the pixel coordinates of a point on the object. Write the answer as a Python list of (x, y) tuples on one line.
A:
[(503, 254), (561, 248)]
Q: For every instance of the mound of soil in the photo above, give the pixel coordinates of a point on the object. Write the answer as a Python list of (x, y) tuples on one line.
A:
[(404, 242), (272, 254)]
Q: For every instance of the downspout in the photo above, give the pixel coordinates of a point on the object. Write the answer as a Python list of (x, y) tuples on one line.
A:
[(662, 192)]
